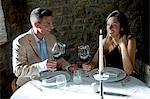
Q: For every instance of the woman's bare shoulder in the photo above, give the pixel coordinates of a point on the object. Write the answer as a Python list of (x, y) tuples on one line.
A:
[(132, 41)]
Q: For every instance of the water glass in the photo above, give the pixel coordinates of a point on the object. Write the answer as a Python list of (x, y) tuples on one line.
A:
[(77, 79), (61, 81)]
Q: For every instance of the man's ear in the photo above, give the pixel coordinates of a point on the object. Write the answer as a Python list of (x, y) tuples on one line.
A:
[(36, 24)]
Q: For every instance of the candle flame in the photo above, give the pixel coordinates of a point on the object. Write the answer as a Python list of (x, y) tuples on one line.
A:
[(101, 32)]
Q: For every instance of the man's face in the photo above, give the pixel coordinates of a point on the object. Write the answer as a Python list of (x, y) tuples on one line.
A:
[(46, 25)]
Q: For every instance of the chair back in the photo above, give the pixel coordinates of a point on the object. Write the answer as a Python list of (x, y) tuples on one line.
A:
[(14, 85)]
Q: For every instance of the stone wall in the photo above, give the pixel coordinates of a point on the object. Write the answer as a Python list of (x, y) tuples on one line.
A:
[(76, 22)]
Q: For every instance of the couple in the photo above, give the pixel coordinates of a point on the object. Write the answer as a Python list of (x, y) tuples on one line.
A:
[(28, 61)]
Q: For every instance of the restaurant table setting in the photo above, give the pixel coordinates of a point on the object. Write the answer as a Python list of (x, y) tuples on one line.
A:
[(65, 85)]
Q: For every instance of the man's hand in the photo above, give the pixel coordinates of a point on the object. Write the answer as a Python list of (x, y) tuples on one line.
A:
[(51, 64)]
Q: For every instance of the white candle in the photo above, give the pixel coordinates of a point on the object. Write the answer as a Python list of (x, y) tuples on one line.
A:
[(101, 67)]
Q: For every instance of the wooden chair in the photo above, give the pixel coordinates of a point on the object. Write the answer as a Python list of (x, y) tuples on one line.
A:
[(14, 85)]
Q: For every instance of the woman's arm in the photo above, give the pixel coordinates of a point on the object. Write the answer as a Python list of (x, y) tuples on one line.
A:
[(132, 50), (94, 61), (128, 50), (92, 64)]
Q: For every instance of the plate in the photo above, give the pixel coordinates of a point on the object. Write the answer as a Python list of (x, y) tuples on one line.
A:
[(50, 74), (114, 74)]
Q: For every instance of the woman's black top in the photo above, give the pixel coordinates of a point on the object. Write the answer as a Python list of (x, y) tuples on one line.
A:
[(114, 59)]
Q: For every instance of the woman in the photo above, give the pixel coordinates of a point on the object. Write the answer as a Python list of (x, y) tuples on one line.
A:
[(119, 46)]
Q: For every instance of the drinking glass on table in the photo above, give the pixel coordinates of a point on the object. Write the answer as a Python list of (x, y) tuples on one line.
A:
[(77, 79), (61, 81)]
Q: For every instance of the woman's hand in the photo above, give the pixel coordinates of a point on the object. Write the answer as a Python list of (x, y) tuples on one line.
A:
[(123, 40), (73, 68), (86, 67), (108, 39)]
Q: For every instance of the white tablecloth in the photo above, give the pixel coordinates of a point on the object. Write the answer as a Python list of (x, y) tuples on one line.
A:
[(33, 90)]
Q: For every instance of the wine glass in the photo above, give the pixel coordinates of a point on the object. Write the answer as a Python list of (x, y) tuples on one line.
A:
[(84, 52), (57, 51)]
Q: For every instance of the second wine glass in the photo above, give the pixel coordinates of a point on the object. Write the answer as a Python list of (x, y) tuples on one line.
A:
[(84, 52)]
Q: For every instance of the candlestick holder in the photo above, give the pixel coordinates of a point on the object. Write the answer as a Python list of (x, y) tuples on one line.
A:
[(101, 85), (98, 87), (101, 79)]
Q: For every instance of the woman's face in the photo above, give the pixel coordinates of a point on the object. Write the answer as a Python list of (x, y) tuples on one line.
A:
[(113, 27)]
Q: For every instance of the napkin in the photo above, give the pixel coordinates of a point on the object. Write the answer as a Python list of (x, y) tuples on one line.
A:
[(103, 77), (111, 74)]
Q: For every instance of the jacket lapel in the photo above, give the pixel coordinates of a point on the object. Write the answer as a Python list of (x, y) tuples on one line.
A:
[(33, 44)]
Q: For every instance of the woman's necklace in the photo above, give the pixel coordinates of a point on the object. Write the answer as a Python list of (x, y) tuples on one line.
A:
[(113, 46)]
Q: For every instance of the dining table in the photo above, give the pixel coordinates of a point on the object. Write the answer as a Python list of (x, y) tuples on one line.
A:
[(126, 88)]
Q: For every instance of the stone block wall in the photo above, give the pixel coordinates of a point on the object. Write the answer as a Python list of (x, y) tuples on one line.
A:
[(78, 21)]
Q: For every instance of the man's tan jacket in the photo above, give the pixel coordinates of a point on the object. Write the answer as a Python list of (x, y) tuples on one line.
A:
[(26, 56)]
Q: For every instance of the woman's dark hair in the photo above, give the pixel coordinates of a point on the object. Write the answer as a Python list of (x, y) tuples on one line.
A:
[(122, 19)]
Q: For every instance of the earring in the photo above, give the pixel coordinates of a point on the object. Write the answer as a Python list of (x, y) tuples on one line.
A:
[(121, 29)]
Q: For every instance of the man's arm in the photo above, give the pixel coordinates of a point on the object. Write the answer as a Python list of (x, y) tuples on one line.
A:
[(21, 67)]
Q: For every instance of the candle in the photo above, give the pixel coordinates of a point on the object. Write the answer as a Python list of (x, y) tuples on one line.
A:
[(101, 67)]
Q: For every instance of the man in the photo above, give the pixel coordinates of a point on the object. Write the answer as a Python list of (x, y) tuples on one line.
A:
[(32, 50)]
